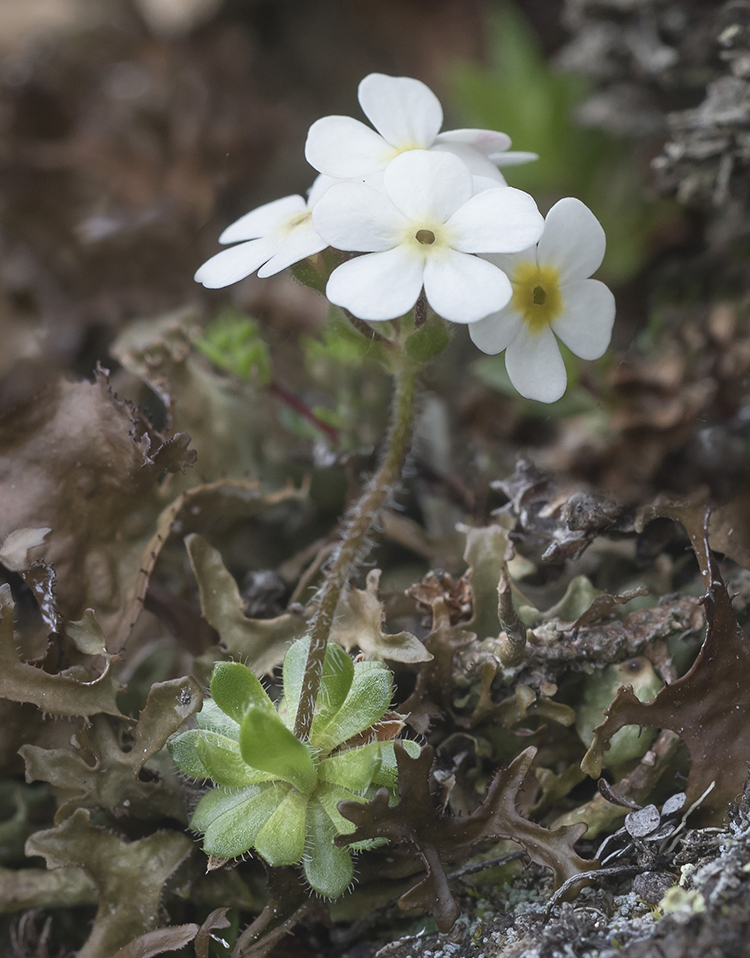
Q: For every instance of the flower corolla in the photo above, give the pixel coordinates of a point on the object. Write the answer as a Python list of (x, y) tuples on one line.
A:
[(269, 238), (423, 230), (407, 116), (552, 296)]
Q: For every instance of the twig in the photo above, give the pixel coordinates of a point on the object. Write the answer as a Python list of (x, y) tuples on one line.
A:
[(473, 867), (588, 876)]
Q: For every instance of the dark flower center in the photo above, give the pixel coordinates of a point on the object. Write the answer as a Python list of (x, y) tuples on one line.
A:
[(425, 237)]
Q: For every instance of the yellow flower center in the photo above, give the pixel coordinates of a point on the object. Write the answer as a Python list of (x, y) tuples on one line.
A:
[(536, 294)]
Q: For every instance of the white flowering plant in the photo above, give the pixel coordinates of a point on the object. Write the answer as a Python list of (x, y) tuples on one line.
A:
[(404, 220), (406, 230)]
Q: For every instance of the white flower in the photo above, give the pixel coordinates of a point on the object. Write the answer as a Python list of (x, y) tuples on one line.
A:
[(422, 230), (552, 295), (407, 116), (279, 234)]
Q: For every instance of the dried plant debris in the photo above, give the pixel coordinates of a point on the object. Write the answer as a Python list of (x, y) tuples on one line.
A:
[(432, 695), (359, 622), (216, 505), (438, 838), (261, 643), (210, 407), (56, 694), (78, 462), (130, 876), (707, 706), (557, 520), (103, 771)]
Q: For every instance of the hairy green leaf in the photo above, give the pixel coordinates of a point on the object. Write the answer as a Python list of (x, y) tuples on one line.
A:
[(231, 820), (330, 869), (222, 760), (213, 719), (266, 743), (281, 841), (367, 702), (235, 689)]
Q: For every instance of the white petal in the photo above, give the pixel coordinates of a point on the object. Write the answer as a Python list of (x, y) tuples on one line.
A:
[(300, 243), (343, 147), (319, 187), (231, 265), (377, 286), (403, 110), (482, 183), (464, 288), (263, 220), (352, 216), (426, 186), (573, 240), (496, 332), (585, 326), (477, 162), (535, 366), (513, 158), (504, 220), (508, 262), (486, 141)]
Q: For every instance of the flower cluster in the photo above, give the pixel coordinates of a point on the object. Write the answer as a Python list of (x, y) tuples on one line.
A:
[(279, 795), (432, 216)]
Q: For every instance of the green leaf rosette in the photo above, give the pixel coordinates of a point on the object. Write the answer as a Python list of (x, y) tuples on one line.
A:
[(275, 794)]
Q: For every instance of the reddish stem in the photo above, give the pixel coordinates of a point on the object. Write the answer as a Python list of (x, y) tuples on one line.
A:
[(295, 403)]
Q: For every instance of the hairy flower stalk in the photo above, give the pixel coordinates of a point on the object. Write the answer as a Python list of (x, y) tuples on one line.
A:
[(354, 542)]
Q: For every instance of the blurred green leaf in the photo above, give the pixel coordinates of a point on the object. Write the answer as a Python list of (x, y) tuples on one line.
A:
[(232, 342), (429, 340), (521, 94)]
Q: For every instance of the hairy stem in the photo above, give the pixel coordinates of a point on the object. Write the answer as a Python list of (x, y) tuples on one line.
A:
[(354, 542)]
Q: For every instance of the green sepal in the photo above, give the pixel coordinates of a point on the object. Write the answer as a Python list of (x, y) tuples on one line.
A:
[(328, 869), (266, 743), (429, 340), (184, 751), (213, 719), (281, 841), (387, 772), (335, 683), (235, 689), (353, 768), (231, 820), (222, 760), (366, 703)]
